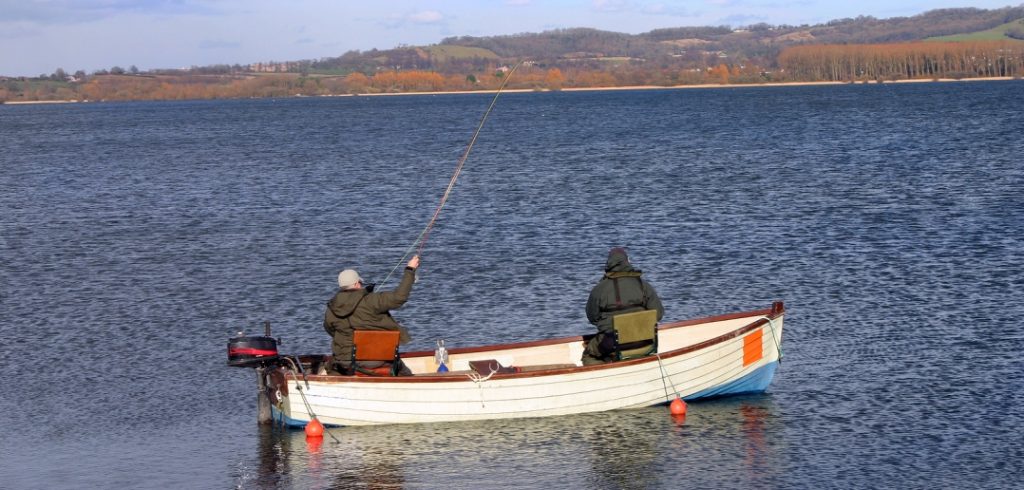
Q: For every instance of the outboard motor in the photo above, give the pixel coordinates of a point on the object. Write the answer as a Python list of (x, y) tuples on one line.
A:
[(258, 352), (252, 351)]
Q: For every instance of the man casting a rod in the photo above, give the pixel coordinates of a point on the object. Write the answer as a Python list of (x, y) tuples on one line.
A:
[(355, 307)]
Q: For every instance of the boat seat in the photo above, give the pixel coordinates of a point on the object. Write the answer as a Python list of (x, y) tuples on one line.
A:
[(636, 334), (376, 346)]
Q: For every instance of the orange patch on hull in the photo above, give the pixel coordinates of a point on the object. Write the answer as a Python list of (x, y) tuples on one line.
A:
[(752, 347)]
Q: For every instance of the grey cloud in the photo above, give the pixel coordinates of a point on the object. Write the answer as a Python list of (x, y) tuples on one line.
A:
[(78, 11), (19, 32), (638, 7)]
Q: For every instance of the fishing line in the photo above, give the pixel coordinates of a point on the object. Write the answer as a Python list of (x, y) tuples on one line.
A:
[(422, 238)]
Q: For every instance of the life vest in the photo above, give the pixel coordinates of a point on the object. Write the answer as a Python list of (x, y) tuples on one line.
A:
[(619, 305)]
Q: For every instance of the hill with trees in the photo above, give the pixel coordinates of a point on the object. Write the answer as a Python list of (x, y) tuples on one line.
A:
[(946, 43)]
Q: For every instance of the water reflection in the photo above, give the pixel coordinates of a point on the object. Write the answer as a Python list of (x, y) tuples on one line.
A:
[(370, 470), (623, 448), (737, 440), (755, 419), (275, 447), (720, 443)]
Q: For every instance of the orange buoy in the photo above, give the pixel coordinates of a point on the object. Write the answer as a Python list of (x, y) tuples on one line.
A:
[(314, 429), (677, 407)]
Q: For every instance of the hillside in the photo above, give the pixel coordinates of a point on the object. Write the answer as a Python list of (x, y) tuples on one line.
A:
[(1009, 30), (947, 43), (694, 47)]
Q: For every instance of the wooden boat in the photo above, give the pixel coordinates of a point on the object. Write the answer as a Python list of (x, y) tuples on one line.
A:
[(702, 358)]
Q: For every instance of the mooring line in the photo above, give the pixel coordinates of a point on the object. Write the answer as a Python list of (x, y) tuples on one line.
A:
[(778, 347), (664, 375), (422, 238), (309, 408)]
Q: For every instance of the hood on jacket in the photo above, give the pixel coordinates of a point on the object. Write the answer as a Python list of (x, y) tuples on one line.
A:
[(344, 303), (618, 261)]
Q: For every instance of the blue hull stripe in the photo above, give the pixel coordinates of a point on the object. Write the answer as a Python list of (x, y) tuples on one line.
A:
[(755, 382), (282, 419)]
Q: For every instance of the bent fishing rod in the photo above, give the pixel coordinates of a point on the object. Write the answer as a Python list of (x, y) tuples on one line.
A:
[(421, 240)]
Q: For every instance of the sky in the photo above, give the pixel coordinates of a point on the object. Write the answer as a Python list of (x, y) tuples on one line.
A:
[(39, 36)]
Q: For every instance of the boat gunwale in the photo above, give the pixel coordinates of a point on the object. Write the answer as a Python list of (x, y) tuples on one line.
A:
[(776, 310)]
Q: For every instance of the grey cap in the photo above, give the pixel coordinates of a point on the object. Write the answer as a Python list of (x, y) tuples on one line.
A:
[(347, 278)]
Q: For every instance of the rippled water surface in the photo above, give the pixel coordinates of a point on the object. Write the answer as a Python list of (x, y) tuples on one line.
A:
[(135, 238)]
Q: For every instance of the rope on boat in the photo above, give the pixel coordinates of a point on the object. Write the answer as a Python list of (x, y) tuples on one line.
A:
[(664, 374), (422, 238), (717, 351), (771, 324), (478, 380), (298, 387)]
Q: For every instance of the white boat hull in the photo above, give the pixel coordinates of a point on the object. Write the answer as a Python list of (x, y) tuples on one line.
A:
[(719, 356)]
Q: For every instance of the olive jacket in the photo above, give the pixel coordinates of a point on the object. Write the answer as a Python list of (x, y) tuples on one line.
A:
[(358, 309), (620, 290)]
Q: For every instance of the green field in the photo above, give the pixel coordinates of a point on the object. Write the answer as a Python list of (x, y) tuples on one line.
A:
[(997, 33), (444, 52)]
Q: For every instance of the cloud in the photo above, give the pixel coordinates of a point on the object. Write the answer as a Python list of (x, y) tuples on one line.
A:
[(425, 17), (421, 18), (611, 5), (662, 9), (637, 7), (742, 20), (81, 11), (19, 31)]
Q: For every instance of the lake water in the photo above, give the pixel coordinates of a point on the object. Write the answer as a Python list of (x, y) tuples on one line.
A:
[(136, 238)]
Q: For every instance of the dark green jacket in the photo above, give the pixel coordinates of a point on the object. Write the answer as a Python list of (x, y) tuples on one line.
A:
[(631, 294), (357, 309)]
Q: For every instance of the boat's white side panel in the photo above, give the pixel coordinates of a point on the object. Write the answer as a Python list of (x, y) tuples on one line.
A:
[(674, 338), (569, 392)]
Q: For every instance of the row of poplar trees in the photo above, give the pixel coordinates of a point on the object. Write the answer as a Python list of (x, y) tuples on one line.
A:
[(851, 62)]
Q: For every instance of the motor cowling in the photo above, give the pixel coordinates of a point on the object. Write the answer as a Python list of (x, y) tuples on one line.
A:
[(251, 351)]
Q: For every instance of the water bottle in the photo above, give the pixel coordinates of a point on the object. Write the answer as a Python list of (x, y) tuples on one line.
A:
[(441, 357)]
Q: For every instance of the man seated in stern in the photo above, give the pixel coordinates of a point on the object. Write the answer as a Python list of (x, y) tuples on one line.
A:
[(620, 290), (355, 307)]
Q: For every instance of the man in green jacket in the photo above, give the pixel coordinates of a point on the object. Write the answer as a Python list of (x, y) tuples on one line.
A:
[(620, 290), (356, 308)]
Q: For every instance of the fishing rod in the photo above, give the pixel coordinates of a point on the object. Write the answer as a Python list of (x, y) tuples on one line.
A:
[(422, 238)]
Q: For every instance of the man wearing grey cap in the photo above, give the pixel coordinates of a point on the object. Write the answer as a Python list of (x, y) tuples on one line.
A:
[(354, 307)]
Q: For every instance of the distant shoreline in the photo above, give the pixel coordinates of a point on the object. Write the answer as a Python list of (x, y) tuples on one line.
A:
[(28, 102), (676, 87), (575, 89)]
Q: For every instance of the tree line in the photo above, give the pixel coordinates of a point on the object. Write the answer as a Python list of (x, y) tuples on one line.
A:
[(899, 61), (803, 63)]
